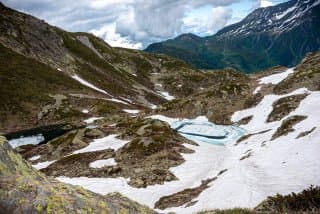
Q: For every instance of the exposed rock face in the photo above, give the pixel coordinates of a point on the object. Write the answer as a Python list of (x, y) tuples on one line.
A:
[(183, 197), (26, 190), (284, 106), (287, 126)]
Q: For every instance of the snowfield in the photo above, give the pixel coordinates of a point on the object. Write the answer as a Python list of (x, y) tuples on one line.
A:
[(276, 78), (257, 167)]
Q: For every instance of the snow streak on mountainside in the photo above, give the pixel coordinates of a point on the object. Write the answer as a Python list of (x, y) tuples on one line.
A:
[(275, 19)]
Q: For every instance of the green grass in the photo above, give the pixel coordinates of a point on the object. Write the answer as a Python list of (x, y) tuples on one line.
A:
[(306, 201), (24, 82)]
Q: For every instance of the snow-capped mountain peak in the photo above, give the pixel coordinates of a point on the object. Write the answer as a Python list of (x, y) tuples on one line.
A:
[(274, 19)]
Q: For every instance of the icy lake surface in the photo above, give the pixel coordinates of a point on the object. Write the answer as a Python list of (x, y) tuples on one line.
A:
[(201, 130)]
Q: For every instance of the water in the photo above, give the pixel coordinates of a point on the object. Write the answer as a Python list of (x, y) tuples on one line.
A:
[(201, 130)]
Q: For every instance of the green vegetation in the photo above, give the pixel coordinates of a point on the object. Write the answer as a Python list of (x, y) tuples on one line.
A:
[(307, 75), (229, 211), (247, 53), (93, 68), (307, 201), (25, 88)]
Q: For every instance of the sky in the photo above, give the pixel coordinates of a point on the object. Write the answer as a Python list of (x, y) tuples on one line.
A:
[(138, 23)]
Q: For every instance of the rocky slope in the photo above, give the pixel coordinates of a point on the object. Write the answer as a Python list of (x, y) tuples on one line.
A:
[(71, 72), (26, 190), (116, 143), (266, 37)]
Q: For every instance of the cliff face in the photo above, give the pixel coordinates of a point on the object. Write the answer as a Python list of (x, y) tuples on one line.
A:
[(26, 190)]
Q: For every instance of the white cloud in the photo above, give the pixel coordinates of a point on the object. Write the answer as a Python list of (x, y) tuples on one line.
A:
[(130, 23), (266, 3), (217, 18), (108, 33)]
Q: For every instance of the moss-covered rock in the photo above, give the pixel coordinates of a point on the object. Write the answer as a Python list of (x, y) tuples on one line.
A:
[(26, 190)]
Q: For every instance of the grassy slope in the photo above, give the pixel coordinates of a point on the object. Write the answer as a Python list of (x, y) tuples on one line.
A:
[(26, 85)]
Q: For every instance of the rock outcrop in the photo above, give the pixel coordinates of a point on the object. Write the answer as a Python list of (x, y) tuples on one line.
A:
[(26, 190)]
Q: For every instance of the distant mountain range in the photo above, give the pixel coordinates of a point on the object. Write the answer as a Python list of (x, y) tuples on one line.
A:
[(277, 35)]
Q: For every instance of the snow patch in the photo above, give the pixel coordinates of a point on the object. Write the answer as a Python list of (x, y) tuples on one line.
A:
[(86, 83), (85, 111), (109, 142), (92, 119), (131, 111), (33, 140), (257, 89), (43, 165), (34, 158), (166, 95), (276, 78), (103, 163), (117, 101)]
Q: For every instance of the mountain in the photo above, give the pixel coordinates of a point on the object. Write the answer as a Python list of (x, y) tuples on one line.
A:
[(125, 123), (72, 73), (276, 35)]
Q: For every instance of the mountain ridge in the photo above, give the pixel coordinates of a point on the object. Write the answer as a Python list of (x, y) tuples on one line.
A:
[(267, 35)]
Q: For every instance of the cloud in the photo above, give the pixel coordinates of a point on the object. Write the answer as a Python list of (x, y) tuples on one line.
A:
[(130, 23), (266, 3), (109, 34), (217, 18)]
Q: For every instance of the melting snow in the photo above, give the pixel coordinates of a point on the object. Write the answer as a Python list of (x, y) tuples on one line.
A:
[(283, 165), (201, 130), (103, 163), (43, 165), (86, 83), (33, 140), (34, 158), (85, 111), (257, 89), (109, 142), (276, 78), (92, 119), (131, 111), (166, 95), (117, 101)]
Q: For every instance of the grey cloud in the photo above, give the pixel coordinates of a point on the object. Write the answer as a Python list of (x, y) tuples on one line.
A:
[(140, 21)]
